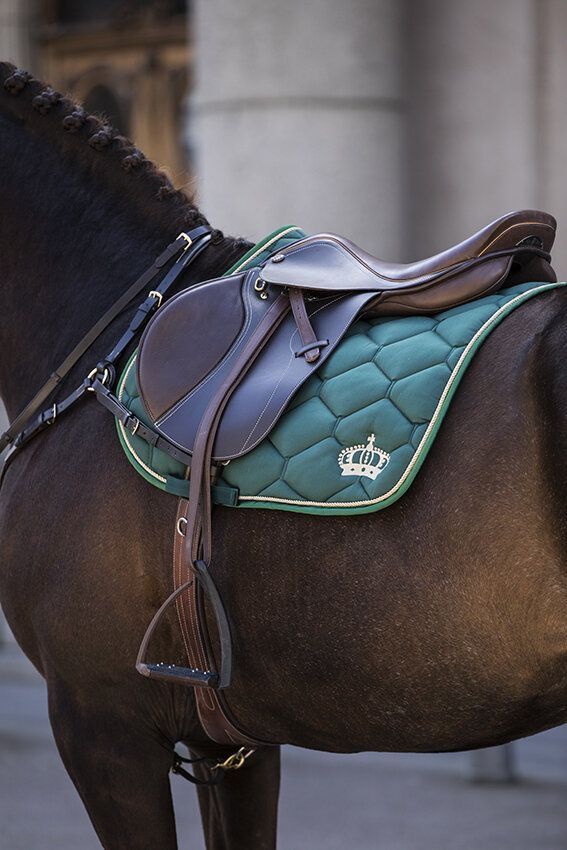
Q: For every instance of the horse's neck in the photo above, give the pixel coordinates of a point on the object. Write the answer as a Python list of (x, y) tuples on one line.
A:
[(71, 244)]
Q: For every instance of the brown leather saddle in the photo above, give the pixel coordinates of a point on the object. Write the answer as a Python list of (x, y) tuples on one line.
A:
[(219, 362), (305, 298)]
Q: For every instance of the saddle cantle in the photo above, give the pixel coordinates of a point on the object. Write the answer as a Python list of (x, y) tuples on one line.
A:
[(191, 345), (219, 363)]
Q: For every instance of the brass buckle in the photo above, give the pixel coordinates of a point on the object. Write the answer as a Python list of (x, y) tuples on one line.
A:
[(153, 293), (235, 761), (260, 287), (187, 238)]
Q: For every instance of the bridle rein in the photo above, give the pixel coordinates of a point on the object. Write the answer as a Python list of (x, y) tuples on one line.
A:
[(178, 255)]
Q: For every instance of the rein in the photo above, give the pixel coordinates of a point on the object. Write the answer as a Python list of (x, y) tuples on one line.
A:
[(183, 250)]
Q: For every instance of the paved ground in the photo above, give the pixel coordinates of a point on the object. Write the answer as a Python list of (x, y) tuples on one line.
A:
[(366, 802)]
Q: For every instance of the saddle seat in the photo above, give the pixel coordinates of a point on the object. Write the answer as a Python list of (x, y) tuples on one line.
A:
[(468, 270)]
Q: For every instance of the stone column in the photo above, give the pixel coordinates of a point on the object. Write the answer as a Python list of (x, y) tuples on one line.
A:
[(475, 86), (298, 115), (15, 41), (551, 119)]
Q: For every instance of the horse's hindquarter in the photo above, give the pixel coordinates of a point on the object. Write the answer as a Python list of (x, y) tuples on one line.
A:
[(437, 623)]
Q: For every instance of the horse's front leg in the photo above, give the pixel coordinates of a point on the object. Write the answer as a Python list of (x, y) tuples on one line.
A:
[(119, 763), (240, 813)]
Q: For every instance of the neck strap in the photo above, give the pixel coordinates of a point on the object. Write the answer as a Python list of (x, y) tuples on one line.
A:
[(188, 244)]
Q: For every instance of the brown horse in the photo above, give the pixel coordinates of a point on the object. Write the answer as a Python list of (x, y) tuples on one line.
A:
[(437, 624)]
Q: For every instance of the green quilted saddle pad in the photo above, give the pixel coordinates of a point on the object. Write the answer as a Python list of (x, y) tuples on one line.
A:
[(356, 434)]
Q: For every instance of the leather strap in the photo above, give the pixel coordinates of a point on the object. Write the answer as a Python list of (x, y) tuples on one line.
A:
[(197, 530), (309, 348), (135, 425), (182, 243), (212, 710), (198, 538)]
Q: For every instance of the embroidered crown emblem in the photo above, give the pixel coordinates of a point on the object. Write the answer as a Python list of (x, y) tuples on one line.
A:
[(367, 460)]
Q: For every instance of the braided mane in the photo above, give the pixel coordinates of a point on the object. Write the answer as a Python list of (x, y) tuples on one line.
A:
[(96, 143)]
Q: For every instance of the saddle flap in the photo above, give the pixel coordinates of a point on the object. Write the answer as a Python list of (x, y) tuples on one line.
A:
[(188, 341), (177, 379)]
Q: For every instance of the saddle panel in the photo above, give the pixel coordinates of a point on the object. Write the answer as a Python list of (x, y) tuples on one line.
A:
[(328, 261), (264, 392)]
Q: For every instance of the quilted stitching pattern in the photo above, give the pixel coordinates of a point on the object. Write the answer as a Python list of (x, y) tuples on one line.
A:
[(390, 393), (386, 378)]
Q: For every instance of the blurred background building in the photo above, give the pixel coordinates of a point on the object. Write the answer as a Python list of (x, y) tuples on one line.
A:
[(128, 59), (403, 124)]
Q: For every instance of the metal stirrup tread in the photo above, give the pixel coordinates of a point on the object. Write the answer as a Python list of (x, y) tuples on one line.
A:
[(173, 672)]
